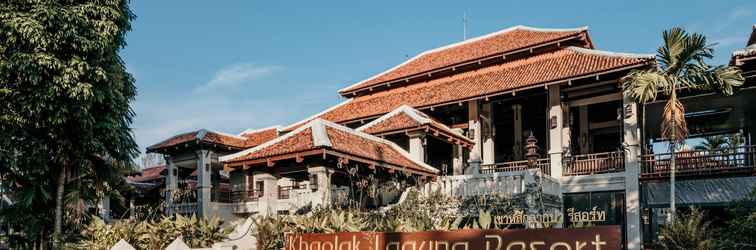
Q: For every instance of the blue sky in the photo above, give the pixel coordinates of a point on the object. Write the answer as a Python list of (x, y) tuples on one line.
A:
[(233, 65)]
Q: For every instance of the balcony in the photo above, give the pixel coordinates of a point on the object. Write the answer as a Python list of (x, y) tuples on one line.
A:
[(699, 163), (544, 164), (598, 163)]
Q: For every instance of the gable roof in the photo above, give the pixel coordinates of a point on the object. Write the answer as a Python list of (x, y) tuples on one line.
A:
[(201, 136), (259, 136), (554, 67), (503, 41), (320, 136), (406, 118)]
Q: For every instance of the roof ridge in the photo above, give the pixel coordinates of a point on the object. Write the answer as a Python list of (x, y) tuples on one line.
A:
[(223, 133), (466, 41), (319, 134), (263, 145), (404, 108), (251, 130), (610, 53)]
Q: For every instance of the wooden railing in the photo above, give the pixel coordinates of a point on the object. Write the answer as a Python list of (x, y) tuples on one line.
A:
[(738, 160), (544, 164), (597, 163)]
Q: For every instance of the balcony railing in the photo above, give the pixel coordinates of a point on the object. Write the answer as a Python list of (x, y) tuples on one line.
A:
[(597, 163), (738, 160), (284, 192), (512, 166), (245, 195)]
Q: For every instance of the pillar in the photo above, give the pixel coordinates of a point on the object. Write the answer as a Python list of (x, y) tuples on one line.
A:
[(487, 135), (474, 128), (555, 123), (104, 207), (323, 177), (631, 135), (518, 145), (566, 129), (171, 183), (417, 146), (204, 181), (268, 201), (583, 139), (458, 160)]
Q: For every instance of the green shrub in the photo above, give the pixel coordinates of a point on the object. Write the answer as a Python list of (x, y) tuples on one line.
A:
[(153, 234), (687, 232)]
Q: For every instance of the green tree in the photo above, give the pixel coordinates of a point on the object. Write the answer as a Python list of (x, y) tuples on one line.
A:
[(681, 65), (65, 97)]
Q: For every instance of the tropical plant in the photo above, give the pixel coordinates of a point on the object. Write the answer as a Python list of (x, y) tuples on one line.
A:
[(65, 104), (689, 232), (157, 234), (714, 142), (681, 65)]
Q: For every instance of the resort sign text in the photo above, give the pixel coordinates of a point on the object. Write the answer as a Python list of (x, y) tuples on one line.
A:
[(595, 238)]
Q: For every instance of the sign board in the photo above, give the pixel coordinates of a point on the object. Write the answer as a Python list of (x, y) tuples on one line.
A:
[(594, 238)]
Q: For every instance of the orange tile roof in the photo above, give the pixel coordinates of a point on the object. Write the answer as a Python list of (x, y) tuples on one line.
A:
[(203, 136), (504, 41), (147, 174), (321, 134), (408, 118), (545, 68), (259, 136)]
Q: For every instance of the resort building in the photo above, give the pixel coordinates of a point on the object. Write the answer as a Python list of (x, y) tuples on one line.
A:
[(485, 115)]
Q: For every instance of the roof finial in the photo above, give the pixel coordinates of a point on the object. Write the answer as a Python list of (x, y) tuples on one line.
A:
[(464, 26)]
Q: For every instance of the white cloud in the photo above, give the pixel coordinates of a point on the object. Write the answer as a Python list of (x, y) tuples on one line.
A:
[(237, 74)]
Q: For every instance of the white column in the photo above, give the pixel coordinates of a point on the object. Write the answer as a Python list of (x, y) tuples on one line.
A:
[(171, 183), (104, 207), (204, 181), (632, 173), (474, 130), (555, 123), (487, 130), (519, 147), (417, 146), (323, 176), (566, 129), (268, 202), (458, 161)]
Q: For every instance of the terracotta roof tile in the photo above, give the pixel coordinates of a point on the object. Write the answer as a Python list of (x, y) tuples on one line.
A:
[(503, 41), (405, 118), (540, 69), (148, 174), (320, 134), (259, 136), (211, 137)]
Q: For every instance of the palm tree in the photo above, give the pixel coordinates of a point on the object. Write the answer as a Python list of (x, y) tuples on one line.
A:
[(680, 65), (714, 142)]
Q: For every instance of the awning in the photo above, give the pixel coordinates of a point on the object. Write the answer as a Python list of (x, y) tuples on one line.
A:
[(702, 192)]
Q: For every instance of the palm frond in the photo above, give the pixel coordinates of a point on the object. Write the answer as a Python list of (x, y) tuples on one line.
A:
[(643, 85)]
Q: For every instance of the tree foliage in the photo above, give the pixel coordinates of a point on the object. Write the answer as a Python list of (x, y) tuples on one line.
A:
[(681, 64), (65, 112)]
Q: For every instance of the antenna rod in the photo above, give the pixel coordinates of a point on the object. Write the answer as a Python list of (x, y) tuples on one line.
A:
[(464, 26)]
